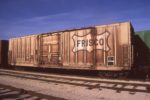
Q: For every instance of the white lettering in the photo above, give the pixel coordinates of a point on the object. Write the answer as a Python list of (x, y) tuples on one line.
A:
[(88, 43)]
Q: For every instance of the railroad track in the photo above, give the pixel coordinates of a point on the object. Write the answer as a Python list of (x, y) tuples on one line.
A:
[(90, 83), (7, 92)]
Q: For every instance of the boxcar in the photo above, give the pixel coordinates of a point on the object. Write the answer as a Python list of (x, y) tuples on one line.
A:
[(103, 47), (3, 53)]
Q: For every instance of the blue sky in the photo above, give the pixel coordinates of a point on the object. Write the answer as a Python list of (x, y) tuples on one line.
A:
[(25, 17)]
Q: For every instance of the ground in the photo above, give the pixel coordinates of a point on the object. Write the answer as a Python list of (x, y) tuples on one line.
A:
[(70, 92)]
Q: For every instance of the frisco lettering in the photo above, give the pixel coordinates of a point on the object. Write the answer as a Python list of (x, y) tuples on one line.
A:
[(87, 42), (90, 42)]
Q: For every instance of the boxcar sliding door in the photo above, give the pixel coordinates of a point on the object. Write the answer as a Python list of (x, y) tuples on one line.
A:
[(49, 49)]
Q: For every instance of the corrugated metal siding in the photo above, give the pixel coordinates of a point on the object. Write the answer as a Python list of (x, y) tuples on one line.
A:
[(22, 50)]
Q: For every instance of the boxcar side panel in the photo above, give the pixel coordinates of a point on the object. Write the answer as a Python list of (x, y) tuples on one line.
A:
[(104, 47), (22, 51), (74, 55), (117, 47)]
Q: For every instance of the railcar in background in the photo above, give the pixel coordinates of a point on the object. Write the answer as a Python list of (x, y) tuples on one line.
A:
[(3, 53), (142, 51)]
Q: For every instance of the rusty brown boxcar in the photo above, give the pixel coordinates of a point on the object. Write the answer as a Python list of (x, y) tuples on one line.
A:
[(3, 53), (103, 47)]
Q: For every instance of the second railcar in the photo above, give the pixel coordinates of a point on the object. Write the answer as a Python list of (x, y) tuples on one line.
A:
[(142, 55), (104, 47), (3, 53)]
